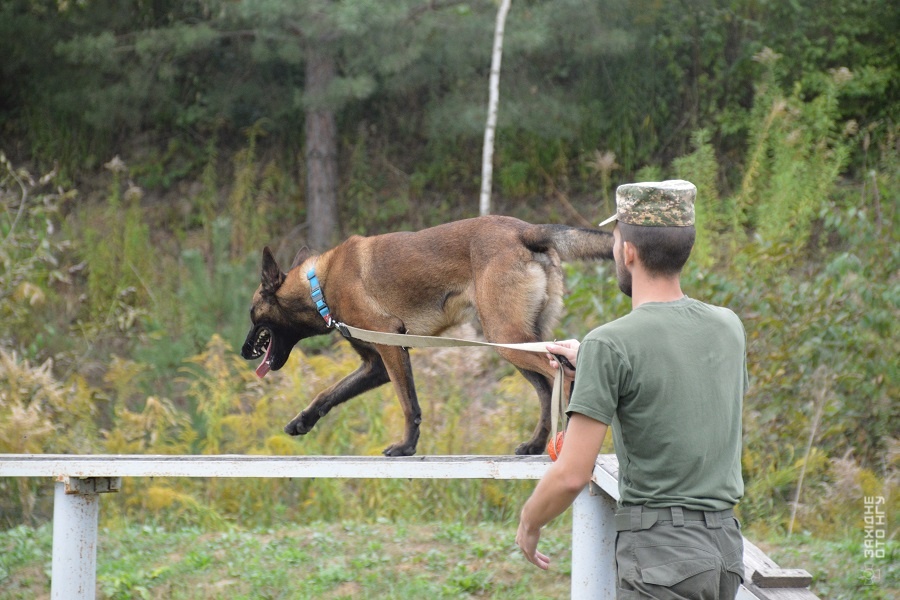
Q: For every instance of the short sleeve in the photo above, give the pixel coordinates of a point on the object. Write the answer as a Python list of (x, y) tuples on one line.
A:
[(601, 373)]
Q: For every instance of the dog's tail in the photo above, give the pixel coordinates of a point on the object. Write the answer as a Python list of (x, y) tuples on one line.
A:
[(572, 243)]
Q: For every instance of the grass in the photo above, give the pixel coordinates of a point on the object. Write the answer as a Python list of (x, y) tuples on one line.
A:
[(322, 560), (372, 560)]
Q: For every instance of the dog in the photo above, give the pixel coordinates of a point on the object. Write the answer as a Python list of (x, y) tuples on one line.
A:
[(504, 272)]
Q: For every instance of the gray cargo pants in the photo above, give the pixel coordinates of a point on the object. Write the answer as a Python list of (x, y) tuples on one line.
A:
[(678, 554)]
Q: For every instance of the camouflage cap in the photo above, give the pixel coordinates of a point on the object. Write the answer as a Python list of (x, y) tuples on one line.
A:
[(655, 204)]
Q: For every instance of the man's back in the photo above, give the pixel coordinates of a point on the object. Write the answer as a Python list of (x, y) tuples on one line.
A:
[(669, 377)]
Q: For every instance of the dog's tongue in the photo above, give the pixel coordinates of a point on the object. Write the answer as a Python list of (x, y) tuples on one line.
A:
[(266, 364)]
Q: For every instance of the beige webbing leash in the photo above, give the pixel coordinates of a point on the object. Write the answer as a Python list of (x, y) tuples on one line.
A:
[(424, 341)]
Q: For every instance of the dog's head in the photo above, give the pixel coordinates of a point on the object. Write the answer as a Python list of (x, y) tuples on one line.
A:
[(282, 313)]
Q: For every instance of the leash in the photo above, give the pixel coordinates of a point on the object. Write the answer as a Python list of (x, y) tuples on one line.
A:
[(424, 341), (405, 340)]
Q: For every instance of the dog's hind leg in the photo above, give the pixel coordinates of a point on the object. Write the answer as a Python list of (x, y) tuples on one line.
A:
[(520, 303), (544, 389), (534, 367), (370, 374)]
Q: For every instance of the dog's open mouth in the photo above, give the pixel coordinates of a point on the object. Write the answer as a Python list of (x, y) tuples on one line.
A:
[(262, 345)]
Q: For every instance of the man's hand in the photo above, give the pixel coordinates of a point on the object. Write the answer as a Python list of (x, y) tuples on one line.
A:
[(568, 349), (560, 485), (528, 540)]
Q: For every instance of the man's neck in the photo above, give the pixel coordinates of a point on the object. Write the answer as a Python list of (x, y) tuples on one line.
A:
[(654, 289)]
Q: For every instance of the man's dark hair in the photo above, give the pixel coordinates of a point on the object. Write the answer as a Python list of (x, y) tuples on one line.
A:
[(663, 250)]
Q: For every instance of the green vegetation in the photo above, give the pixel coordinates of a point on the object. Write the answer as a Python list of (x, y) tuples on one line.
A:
[(372, 559), (321, 560), (152, 149)]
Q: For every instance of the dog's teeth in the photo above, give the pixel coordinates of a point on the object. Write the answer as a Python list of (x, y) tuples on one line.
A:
[(262, 342)]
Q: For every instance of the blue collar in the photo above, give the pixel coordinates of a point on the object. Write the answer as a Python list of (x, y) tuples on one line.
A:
[(315, 290)]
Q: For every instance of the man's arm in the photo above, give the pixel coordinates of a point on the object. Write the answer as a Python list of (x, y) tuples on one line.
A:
[(562, 483)]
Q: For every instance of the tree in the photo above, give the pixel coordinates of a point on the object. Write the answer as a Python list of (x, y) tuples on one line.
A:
[(223, 67), (83, 81), (321, 154), (487, 167)]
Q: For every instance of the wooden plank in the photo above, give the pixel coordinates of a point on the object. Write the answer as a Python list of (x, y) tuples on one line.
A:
[(606, 475), (766, 573), (744, 594), (756, 560), (779, 593), (781, 578)]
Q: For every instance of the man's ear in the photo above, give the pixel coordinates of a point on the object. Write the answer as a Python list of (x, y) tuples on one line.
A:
[(272, 277), (629, 253)]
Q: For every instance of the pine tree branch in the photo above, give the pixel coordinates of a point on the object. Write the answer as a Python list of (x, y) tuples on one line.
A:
[(433, 6)]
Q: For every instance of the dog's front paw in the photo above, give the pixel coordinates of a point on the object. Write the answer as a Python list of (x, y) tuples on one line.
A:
[(399, 450), (529, 449), (297, 426)]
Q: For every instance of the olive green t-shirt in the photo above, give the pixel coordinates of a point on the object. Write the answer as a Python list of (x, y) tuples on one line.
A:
[(670, 378)]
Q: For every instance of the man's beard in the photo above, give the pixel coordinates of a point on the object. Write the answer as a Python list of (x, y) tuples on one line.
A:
[(623, 277)]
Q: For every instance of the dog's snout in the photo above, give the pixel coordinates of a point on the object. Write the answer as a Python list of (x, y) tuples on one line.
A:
[(257, 343)]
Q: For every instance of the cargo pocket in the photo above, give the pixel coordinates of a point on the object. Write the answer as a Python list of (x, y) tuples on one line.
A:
[(670, 574), (676, 572)]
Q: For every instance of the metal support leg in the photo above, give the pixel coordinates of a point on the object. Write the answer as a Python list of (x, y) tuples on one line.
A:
[(76, 507), (593, 546)]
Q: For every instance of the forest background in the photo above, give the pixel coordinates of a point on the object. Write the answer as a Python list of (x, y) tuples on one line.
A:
[(150, 150)]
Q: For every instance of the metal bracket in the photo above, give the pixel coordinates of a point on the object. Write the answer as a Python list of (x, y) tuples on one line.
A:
[(91, 485)]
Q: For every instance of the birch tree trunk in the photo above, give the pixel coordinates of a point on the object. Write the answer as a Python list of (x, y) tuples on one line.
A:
[(321, 154), (487, 166)]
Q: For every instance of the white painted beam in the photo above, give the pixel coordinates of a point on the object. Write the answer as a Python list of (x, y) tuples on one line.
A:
[(341, 467)]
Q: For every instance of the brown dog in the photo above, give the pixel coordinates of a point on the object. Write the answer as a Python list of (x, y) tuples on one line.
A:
[(499, 269)]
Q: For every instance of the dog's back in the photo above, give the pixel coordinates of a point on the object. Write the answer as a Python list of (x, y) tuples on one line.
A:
[(442, 276)]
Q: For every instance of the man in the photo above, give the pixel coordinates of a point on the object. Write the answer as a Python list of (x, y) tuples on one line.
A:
[(670, 378)]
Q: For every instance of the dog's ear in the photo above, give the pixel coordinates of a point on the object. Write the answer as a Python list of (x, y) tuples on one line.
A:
[(301, 256), (272, 277)]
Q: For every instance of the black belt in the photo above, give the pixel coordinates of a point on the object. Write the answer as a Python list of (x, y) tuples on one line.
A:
[(639, 517)]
